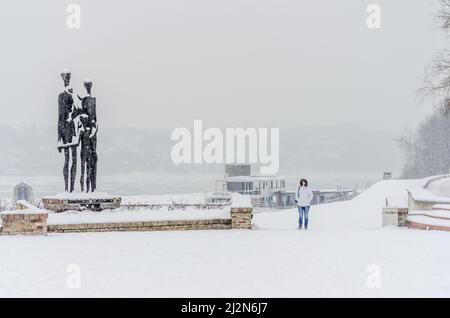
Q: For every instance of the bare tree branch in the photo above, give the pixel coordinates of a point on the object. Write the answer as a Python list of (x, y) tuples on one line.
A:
[(437, 75), (443, 15)]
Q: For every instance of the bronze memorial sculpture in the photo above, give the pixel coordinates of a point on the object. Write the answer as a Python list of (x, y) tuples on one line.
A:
[(78, 127)]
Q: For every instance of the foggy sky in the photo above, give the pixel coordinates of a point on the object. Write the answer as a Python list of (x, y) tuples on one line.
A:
[(233, 63)]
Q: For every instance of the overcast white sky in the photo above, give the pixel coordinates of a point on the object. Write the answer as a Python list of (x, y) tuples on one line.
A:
[(234, 63)]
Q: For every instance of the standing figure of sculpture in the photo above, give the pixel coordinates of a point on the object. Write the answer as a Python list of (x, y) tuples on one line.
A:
[(68, 130), (85, 153), (89, 139)]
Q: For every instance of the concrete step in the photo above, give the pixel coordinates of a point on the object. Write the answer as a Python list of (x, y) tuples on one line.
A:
[(425, 222)]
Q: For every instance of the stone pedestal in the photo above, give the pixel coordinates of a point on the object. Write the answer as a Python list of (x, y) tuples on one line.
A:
[(241, 218), (394, 216), (241, 211), (26, 220), (82, 201)]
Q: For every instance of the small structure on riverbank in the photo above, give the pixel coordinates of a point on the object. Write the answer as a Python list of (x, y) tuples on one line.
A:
[(333, 195), (268, 191), (264, 191), (23, 191)]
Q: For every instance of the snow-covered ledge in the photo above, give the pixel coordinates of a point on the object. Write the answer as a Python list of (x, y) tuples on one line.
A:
[(436, 190), (241, 212), (25, 220)]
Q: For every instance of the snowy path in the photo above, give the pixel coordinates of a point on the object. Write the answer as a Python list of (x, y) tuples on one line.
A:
[(332, 259), (265, 263)]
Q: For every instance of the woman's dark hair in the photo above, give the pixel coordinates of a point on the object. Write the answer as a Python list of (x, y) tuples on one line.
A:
[(304, 182)]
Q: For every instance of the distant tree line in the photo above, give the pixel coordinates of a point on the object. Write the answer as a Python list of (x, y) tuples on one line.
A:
[(427, 150)]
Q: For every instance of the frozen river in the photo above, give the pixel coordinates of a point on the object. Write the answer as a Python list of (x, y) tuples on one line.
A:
[(157, 183)]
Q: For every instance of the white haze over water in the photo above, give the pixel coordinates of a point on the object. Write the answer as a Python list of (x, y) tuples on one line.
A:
[(159, 183), (138, 161)]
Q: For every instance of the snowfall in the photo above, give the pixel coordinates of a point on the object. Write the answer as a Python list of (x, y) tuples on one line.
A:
[(345, 253)]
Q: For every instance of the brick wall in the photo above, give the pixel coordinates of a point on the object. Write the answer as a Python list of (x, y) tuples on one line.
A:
[(181, 225), (241, 218), (24, 223), (34, 222)]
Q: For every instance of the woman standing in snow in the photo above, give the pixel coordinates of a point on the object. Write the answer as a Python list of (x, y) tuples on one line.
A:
[(303, 197)]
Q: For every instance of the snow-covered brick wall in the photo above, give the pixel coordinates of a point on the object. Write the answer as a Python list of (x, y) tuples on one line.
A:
[(26, 220), (24, 223), (241, 211)]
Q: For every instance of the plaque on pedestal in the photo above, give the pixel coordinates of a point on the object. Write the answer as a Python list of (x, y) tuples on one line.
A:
[(81, 201)]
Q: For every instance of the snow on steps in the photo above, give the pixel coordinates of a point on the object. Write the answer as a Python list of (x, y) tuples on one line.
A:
[(437, 214), (441, 207), (436, 219), (423, 222)]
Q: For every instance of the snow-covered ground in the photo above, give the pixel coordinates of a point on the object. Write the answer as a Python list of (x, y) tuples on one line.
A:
[(74, 217), (345, 253)]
